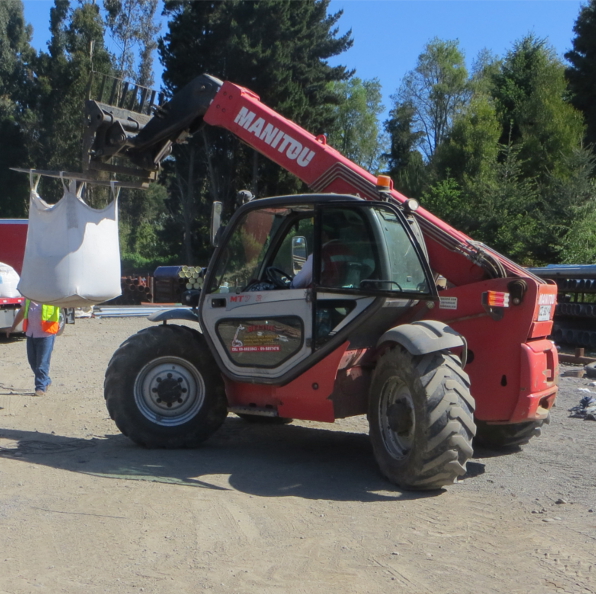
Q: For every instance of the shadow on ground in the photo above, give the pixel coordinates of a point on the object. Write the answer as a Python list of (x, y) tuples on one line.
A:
[(266, 461)]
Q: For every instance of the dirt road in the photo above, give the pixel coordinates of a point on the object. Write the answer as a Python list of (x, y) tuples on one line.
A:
[(293, 509)]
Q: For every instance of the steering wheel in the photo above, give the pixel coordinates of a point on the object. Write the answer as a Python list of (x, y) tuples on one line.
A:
[(278, 277)]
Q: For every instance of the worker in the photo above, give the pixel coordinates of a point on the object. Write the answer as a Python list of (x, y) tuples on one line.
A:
[(40, 324), (333, 254)]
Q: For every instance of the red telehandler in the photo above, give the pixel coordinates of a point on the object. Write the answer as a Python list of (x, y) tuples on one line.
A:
[(369, 332)]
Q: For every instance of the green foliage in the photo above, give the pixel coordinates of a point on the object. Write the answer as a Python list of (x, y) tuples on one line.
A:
[(472, 146), (142, 217), (505, 209), (437, 89), (16, 94), (356, 133), (278, 49), (572, 203), (498, 210), (529, 91), (496, 153), (135, 263), (75, 48), (446, 200), (581, 73), (405, 163), (506, 169)]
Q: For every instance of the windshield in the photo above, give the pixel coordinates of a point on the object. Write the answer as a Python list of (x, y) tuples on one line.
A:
[(255, 236)]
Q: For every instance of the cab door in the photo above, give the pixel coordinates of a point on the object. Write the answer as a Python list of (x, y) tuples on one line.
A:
[(259, 325)]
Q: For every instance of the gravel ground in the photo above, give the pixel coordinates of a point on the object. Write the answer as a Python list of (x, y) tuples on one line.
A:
[(298, 508)]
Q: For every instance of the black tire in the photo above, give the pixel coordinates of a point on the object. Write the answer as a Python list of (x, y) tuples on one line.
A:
[(421, 418), (164, 390), (500, 437), (261, 420)]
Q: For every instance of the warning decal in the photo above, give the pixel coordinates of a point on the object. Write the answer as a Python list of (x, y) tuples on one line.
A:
[(447, 302)]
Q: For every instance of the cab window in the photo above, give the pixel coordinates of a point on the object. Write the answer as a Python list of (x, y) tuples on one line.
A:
[(256, 238)]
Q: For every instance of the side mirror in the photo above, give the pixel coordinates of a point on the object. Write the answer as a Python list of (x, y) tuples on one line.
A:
[(216, 210), (299, 253)]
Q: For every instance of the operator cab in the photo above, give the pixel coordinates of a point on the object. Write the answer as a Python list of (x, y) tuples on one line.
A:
[(294, 277)]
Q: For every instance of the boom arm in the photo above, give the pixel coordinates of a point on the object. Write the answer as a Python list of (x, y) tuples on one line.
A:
[(321, 167)]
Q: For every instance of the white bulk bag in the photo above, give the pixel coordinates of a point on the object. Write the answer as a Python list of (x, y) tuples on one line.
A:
[(9, 279), (72, 256)]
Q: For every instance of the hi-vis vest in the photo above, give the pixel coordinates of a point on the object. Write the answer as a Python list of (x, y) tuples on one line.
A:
[(50, 318)]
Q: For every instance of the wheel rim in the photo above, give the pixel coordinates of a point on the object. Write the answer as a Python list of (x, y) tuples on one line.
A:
[(169, 391), (397, 419)]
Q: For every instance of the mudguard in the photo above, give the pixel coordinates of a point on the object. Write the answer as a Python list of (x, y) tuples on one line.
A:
[(174, 314), (426, 336)]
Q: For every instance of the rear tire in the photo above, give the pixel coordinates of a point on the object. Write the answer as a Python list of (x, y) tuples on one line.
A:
[(163, 388), (507, 436), (421, 418)]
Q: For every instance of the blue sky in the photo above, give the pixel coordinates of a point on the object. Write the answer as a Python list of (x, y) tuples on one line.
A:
[(390, 34)]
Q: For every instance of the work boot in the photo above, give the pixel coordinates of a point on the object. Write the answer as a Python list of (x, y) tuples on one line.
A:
[(40, 393)]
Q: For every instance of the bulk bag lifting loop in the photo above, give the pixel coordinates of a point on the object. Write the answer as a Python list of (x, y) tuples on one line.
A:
[(72, 255)]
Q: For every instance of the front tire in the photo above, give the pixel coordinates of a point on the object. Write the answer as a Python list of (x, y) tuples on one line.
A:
[(163, 388), (421, 418)]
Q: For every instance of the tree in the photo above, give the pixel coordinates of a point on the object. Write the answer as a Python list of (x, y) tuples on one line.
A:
[(75, 48), (16, 94), (471, 148), (132, 27), (530, 93), (582, 72), (357, 133), (572, 205), (277, 48), (437, 89), (499, 209), (405, 163)]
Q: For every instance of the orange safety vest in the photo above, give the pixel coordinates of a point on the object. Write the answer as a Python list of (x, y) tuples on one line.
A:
[(50, 318)]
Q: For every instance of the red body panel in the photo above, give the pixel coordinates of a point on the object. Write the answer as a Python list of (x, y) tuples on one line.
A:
[(11, 300), (501, 368), (307, 397), (514, 366), (13, 237)]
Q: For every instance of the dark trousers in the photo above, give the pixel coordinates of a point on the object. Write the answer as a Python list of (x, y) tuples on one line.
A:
[(39, 352)]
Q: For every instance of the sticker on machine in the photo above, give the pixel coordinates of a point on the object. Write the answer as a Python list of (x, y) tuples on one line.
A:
[(447, 302)]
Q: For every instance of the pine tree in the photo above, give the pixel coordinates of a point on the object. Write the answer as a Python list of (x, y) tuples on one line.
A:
[(582, 72), (16, 94), (530, 92), (276, 48)]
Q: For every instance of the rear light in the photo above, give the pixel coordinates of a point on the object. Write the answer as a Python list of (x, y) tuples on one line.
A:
[(495, 299), (494, 303)]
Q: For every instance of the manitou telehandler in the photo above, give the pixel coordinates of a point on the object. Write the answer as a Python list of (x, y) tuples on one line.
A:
[(395, 305)]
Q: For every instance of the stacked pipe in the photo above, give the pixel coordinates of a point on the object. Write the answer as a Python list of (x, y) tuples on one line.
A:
[(171, 281), (575, 313), (135, 290), (577, 284), (191, 277)]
